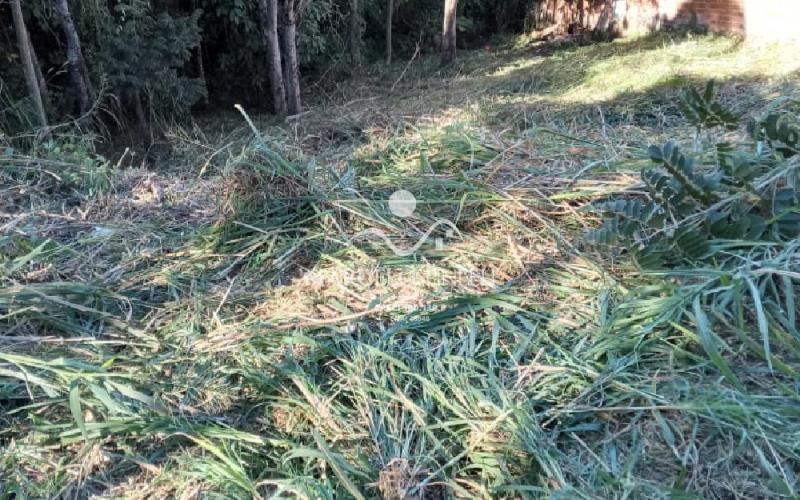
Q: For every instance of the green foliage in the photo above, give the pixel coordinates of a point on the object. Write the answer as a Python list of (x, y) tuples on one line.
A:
[(779, 131), (321, 35), (726, 229), (733, 194), (232, 27), (144, 58), (703, 111), (55, 167), (233, 40)]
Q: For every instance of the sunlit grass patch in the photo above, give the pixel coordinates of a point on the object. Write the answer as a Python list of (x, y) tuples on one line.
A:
[(676, 62)]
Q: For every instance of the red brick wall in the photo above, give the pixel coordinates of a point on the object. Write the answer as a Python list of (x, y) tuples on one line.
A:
[(719, 16), (761, 19)]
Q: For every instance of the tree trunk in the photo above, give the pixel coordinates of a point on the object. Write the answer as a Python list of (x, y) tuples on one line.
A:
[(389, 14), (27, 62), (291, 66), (37, 68), (201, 72), (355, 33), (449, 32), (86, 79), (268, 11), (75, 61), (138, 107)]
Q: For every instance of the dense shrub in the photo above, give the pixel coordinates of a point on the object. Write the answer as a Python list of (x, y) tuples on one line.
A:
[(144, 59)]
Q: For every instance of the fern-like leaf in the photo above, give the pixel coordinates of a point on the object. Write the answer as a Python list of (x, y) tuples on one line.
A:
[(704, 112), (681, 167)]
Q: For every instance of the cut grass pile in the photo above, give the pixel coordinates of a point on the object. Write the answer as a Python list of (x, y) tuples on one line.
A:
[(214, 329)]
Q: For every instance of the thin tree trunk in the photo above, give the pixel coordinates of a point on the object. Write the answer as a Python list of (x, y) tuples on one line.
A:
[(389, 15), (138, 107), (201, 72), (27, 62), (75, 61), (449, 32), (268, 10), (86, 79), (355, 33), (291, 69), (40, 77)]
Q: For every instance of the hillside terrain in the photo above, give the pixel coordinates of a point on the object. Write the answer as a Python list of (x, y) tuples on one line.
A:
[(432, 283)]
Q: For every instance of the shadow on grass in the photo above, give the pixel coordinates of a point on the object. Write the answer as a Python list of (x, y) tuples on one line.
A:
[(630, 78)]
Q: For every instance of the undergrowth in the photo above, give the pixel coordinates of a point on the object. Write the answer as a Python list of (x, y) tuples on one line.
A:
[(603, 321)]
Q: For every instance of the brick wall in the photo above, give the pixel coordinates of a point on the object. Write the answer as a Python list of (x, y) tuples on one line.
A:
[(756, 19), (721, 16)]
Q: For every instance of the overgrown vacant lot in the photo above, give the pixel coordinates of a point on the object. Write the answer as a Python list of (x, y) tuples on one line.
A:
[(221, 317)]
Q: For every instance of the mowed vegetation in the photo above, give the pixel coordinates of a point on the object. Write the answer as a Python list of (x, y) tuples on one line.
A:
[(611, 322)]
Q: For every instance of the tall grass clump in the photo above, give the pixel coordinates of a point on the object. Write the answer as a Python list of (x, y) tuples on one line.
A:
[(271, 212)]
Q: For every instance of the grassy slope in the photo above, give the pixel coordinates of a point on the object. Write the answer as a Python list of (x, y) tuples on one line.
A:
[(205, 328)]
